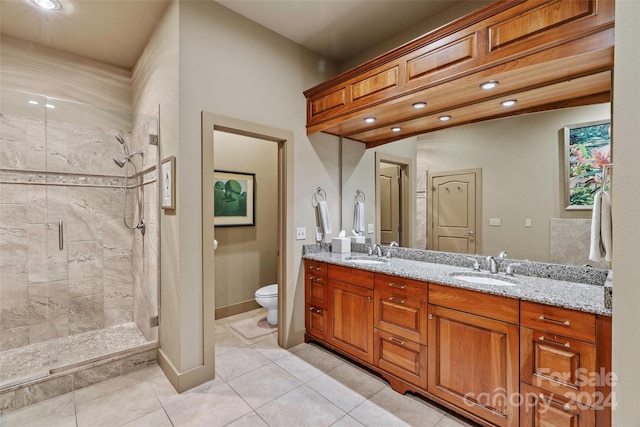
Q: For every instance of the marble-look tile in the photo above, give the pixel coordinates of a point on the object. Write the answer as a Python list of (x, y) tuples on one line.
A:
[(238, 361), (390, 408), (57, 203), (347, 421), (13, 234), (56, 147), (97, 374), (7, 402), (14, 338), (85, 268), (421, 220), (85, 216), (308, 362), (211, 404), (44, 390), (84, 145), (37, 253), (346, 386), (314, 409), (86, 313), (117, 316), (37, 204), (13, 194), (226, 342), (250, 420), (118, 282), (158, 418), (268, 347), (58, 312), (569, 242), (452, 421), (14, 297), (39, 327), (59, 412), (263, 385), (139, 361), (165, 391), (118, 407), (57, 267)]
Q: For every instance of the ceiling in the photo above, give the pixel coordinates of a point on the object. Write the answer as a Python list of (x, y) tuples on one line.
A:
[(116, 32)]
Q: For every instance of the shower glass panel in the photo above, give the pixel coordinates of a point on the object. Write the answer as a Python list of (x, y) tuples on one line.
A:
[(75, 283)]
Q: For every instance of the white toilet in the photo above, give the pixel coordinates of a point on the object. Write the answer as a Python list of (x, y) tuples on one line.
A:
[(267, 296)]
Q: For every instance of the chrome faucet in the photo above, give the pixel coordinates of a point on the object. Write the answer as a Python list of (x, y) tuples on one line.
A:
[(392, 244), (378, 249), (493, 265), (503, 254)]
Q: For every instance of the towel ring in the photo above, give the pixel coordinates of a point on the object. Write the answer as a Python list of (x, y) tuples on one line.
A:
[(605, 175), (360, 197), (319, 196)]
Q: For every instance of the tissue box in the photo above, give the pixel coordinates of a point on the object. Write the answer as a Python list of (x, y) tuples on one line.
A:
[(341, 245), (357, 239)]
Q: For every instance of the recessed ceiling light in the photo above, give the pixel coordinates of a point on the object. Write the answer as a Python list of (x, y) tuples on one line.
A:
[(32, 102), (370, 119), (444, 118), (49, 105), (509, 103), (396, 129), (489, 85), (48, 4), (419, 105)]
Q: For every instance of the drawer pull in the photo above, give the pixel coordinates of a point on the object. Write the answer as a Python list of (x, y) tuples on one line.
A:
[(395, 340), (311, 267), (315, 279), (560, 322), (395, 285), (399, 301), (566, 344), (566, 406), (317, 310)]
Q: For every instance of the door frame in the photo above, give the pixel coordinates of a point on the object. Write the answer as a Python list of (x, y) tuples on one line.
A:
[(478, 214), (284, 139), (408, 203)]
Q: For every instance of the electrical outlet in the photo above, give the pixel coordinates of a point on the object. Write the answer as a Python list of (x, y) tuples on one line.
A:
[(370, 228), (495, 221), (301, 233), (527, 222)]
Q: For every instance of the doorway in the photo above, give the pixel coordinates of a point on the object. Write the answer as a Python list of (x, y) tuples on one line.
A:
[(284, 253), (394, 203), (455, 211)]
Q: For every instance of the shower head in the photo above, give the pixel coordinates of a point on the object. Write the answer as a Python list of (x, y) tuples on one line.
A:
[(119, 162), (123, 143)]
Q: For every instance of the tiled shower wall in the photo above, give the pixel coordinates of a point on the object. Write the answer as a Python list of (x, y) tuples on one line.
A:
[(53, 171)]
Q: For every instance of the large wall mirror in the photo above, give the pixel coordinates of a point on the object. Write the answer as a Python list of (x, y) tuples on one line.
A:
[(522, 190)]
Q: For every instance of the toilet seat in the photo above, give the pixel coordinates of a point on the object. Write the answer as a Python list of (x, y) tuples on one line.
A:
[(268, 291)]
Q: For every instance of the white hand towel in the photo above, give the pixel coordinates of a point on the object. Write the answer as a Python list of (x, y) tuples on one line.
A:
[(601, 228), (358, 217), (323, 215)]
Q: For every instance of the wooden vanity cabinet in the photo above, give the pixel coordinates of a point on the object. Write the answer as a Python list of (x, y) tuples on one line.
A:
[(400, 328), (316, 298), (561, 366), (351, 311), (473, 353)]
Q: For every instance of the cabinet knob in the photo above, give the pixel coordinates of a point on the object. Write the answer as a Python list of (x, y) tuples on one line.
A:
[(368, 298), (430, 316)]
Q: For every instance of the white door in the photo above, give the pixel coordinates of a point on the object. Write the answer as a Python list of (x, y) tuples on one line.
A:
[(454, 212), (389, 204)]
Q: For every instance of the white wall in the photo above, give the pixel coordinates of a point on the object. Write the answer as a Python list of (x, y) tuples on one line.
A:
[(522, 161), (626, 208)]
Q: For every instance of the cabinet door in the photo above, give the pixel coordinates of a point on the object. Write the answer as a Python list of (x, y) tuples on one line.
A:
[(351, 314), (559, 365), (401, 316), (316, 283), (316, 322), (541, 409), (473, 364), (403, 358)]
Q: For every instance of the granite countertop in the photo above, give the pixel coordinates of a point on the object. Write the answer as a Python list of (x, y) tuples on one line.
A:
[(568, 294)]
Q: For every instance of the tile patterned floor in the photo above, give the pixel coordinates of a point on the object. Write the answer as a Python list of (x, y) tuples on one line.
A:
[(257, 384)]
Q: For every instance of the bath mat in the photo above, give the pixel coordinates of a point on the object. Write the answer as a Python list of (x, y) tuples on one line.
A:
[(254, 327)]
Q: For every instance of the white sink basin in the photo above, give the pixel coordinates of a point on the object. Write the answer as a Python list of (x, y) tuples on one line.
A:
[(365, 260), (484, 280)]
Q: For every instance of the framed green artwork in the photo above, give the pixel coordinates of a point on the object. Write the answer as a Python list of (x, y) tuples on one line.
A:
[(233, 199)]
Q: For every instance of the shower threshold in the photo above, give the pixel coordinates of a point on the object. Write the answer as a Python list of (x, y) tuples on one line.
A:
[(38, 361)]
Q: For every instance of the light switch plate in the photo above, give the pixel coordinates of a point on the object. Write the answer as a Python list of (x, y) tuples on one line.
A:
[(301, 233), (370, 228), (495, 221), (527, 222)]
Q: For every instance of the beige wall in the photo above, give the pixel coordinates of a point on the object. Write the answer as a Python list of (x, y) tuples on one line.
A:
[(522, 173), (626, 208), (37, 69), (246, 258)]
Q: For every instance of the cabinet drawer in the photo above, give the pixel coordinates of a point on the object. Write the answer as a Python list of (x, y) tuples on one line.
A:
[(317, 322), (556, 320), (400, 357), (540, 408), (400, 287), (559, 365), (316, 290), (351, 275), (406, 317), (315, 268), (487, 305)]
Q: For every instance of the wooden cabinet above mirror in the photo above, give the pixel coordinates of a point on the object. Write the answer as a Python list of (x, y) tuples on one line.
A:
[(545, 54)]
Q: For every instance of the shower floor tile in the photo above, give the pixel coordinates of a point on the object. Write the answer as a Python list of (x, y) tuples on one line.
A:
[(36, 360)]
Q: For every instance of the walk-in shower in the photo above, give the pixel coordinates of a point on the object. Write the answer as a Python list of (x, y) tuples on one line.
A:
[(137, 189), (81, 312)]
